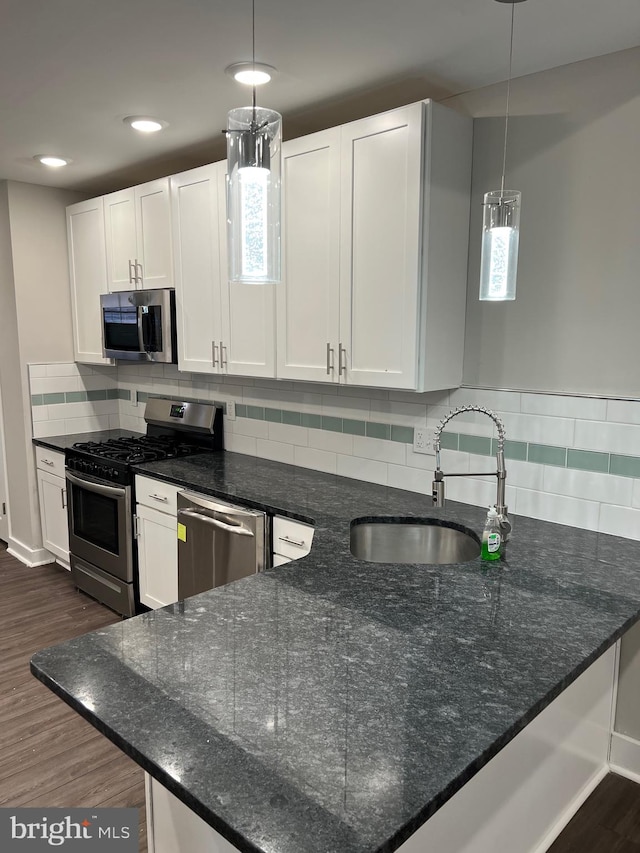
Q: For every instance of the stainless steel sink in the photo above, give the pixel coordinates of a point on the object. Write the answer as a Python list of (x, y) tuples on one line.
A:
[(413, 540)]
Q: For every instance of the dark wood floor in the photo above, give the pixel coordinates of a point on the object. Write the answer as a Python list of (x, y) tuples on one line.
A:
[(608, 822), (49, 756)]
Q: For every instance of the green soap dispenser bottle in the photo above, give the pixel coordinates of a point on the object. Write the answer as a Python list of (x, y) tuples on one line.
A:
[(491, 537)]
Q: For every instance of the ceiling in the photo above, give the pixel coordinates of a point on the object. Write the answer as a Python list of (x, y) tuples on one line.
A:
[(71, 70)]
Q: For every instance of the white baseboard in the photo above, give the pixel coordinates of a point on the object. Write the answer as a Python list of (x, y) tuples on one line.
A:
[(31, 557), (571, 810), (624, 757)]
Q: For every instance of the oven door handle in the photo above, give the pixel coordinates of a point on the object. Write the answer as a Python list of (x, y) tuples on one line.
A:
[(98, 488), (238, 529)]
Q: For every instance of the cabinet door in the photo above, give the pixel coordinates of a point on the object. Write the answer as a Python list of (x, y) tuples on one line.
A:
[(248, 312), (157, 557), (87, 276), (196, 229), (120, 235), (153, 230), (53, 515), (381, 179), (308, 299)]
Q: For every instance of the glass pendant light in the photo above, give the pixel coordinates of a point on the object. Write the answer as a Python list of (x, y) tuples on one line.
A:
[(501, 222), (254, 166)]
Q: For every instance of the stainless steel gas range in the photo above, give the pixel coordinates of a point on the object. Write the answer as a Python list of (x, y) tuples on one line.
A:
[(100, 495)]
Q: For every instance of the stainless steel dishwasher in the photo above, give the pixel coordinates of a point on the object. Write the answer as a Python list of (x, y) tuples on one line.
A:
[(217, 543)]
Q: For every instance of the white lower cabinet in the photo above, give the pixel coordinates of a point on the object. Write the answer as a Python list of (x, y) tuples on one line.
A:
[(156, 536), (53, 515), (291, 540)]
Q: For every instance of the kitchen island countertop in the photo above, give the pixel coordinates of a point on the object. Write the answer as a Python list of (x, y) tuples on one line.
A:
[(334, 704)]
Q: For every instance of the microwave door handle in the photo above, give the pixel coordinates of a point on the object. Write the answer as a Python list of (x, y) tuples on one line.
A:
[(140, 329), (214, 522), (98, 488)]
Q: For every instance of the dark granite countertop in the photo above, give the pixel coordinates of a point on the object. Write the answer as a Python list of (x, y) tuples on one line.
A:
[(333, 704), (62, 442)]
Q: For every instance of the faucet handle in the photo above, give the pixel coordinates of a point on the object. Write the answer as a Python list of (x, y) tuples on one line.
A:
[(506, 525), (437, 492)]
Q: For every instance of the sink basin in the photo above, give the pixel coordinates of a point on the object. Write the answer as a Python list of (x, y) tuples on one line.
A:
[(413, 540)]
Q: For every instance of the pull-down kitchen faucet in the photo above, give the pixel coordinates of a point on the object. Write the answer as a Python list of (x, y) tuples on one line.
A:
[(500, 473)]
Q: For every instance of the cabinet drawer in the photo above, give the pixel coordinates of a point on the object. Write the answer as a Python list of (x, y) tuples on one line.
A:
[(50, 460), (291, 539), (157, 494)]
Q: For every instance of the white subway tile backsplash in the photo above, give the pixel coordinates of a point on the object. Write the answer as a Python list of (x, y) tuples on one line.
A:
[(620, 521), (635, 494), (66, 368), (527, 475), (539, 429), (454, 462), (287, 433), (274, 450), (559, 508), (423, 461), (362, 469), (39, 413), (609, 437), (97, 383), (346, 407), (498, 401), (73, 425), (586, 408), (588, 485), (380, 449), (319, 460), (247, 426), (623, 411), (43, 429), (55, 384), (240, 443), (402, 414), (402, 477), (334, 442), (37, 371)]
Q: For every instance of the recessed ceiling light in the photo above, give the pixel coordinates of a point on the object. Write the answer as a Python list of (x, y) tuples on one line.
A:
[(251, 74), (146, 124), (52, 162)]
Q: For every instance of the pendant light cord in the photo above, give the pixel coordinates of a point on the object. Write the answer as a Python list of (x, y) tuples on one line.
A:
[(253, 51), (506, 115)]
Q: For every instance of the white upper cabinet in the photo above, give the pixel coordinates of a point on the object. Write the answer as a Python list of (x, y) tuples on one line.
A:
[(223, 327), (196, 232), (88, 277), (308, 300), (138, 237), (400, 207)]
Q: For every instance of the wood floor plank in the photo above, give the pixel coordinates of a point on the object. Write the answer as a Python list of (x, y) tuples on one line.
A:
[(50, 756)]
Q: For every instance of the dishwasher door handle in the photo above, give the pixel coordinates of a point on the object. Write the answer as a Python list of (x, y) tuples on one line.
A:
[(238, 529)]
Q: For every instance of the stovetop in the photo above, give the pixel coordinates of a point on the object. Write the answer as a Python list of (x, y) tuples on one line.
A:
[(133, 450)]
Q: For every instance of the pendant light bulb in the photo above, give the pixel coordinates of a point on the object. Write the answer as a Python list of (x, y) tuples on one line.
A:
[(501, 222), (254, 166)]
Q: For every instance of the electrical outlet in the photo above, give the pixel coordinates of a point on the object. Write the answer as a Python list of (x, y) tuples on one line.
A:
[(231, 410), (422, 440)]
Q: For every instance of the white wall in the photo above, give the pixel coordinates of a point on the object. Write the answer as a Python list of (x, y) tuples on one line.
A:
[(573, 152)]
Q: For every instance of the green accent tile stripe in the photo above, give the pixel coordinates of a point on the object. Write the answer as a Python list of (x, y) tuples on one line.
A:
[(331, 424), (255, 412), (97, 394), (624, 466), (478, 444), (273, 415), (586, 460), (241, 410), (142, 396), (402, 434), (36, 400), (124, 394), (512, 449), (375, 430), (293, 418), (351, 427), (449, 440), (48, 399), (311, 421), (545, 454), (76, 396)]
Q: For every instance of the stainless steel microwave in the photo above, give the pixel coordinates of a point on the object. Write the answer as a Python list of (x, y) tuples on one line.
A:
[(139, 325)]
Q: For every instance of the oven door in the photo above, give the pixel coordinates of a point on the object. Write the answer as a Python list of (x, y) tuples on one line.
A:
[(100, 524)]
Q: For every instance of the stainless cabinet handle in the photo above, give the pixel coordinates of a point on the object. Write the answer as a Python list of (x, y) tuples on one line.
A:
[(236, 529), (63, 497), (330, 352), (138, 267), (131, 273), (223, 355), (136, 531), (48, 462), (160, 498), (214, 350), (290, 541), (342, 368)]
